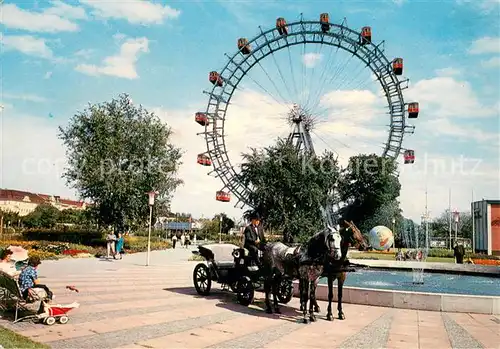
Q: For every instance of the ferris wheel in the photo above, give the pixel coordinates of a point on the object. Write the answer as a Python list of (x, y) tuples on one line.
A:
[(267, 44)]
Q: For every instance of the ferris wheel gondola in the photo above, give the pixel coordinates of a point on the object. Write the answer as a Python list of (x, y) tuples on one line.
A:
[(251, 52)]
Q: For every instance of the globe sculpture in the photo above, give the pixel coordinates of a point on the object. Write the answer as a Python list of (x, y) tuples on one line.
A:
[(381, 238)]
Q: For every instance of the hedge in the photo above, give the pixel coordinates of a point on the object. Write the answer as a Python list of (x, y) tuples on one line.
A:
[(74, 236)]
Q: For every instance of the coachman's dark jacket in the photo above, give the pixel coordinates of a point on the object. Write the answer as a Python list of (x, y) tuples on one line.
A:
[(251, 233)]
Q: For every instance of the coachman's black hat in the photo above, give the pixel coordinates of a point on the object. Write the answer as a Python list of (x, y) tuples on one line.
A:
[(254, 215)]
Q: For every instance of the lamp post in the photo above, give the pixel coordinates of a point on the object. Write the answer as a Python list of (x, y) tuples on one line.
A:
[(220, 229), (151, 203), (456, 215)]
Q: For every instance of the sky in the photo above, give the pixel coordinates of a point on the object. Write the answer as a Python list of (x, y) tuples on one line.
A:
[(59, 56)]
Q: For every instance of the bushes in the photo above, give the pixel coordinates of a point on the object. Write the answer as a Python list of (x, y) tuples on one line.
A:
[(65, 234), (140, 244)]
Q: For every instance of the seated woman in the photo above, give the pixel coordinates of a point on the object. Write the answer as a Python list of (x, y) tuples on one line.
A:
[(6, 264), (28, 279)]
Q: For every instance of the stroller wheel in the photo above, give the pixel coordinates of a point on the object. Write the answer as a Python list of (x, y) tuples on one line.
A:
[(63, 319), (50, 321)]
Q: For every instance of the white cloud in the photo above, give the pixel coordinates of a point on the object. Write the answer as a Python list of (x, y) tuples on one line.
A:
[(134, 11), (485, 45), (398, 2), (444, 126), (121, 65), (52, 20), (448, 71), (493, 62), (447, 97), (28, 45), (36, 163), (25, 97), (64, 10), (47, 75), (310, 60), (84, 53), (438, 173)]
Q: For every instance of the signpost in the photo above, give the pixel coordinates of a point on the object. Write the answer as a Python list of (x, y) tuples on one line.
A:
[(151, 202)]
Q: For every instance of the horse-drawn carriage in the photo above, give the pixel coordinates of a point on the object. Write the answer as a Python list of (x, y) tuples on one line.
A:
[(231, 266)]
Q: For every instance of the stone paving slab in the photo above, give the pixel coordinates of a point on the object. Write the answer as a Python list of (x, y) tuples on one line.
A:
[(125, 304)]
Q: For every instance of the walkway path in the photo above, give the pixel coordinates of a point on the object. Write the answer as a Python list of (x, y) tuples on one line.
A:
[(127, 305)]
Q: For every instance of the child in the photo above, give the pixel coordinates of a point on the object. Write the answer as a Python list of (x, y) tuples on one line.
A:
[(119, 245)]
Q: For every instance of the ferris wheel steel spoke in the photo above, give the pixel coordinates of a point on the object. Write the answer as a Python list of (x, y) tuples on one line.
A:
[(331, 79), (311, 80), (273, 83), (291, 70), (265, 91), (282, 78), (322, 79)]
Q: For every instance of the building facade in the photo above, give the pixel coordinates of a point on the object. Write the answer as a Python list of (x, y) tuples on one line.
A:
[(23, 203), (487, 226)]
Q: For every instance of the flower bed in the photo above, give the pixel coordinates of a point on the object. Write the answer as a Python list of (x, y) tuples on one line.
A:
[(486, 261), (55, 250)]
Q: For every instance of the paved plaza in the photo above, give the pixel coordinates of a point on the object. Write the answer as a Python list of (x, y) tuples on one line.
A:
[(127, 305)]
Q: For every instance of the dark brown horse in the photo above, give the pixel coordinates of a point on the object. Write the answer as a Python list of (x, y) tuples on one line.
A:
[(336, 269)]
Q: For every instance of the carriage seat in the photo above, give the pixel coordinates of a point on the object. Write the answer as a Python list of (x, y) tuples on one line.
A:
[(222, 254)]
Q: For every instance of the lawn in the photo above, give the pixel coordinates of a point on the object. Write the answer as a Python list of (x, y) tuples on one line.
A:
[(12, 340), (390, 257)]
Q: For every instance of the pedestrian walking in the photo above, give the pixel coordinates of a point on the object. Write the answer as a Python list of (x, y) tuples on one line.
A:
[(174, 240), (110, 245)]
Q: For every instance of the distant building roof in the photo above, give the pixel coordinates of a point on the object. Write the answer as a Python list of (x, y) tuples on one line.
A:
[(24, 196), (490, 201)]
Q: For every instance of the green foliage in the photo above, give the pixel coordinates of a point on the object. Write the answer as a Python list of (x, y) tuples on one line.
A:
[(368, 184), (44, 216), (211, 228), (73, 216), (12, 340), (76, 236), (288, 188), (117, 152), (441, 225)]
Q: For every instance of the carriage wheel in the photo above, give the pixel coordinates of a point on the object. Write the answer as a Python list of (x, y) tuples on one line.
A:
[(63, 319), (245, 290), (49, 321), (202, 280), (285, 291)]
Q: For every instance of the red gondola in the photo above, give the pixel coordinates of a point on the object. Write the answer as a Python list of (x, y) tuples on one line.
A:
[(215, 78), (366, 35), (409, 156), (397, 66), (222, 196), (201, 118), (413, 110), (244, 46), (281, 26), (325, 22), (204, 160)]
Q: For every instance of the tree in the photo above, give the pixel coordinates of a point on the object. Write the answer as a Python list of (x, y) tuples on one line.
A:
[(117, 152), (227, 223), (44, 216), (289, 188), (211, 227), (369, 186), (441, 225)]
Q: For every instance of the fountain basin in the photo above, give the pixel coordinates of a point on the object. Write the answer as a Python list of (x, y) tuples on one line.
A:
[(489, 305), (430, 267), (439, 292)]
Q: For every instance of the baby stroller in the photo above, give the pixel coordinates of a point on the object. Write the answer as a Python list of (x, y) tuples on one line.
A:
[(40, 309), (56, 312)]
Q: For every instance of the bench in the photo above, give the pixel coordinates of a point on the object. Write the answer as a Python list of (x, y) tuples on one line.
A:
[(11, 297)]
